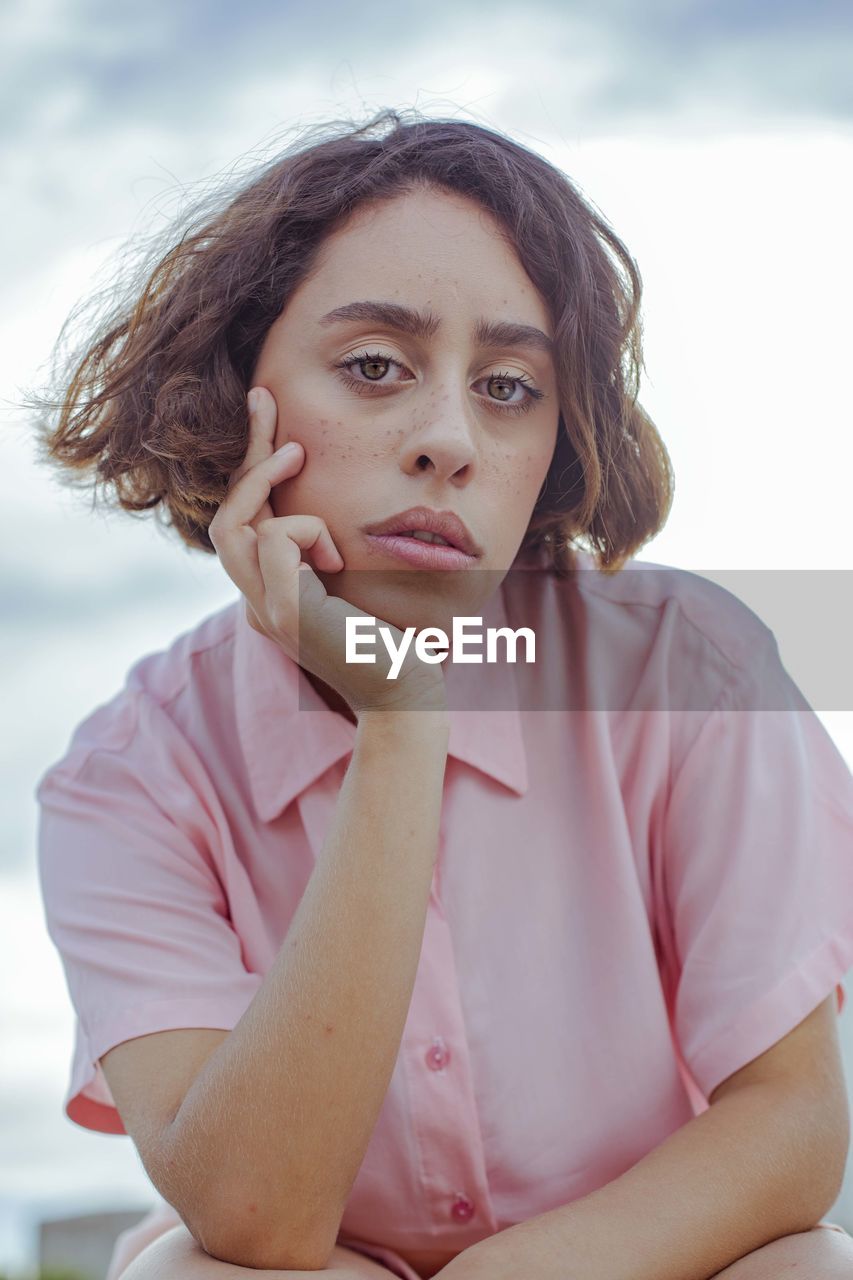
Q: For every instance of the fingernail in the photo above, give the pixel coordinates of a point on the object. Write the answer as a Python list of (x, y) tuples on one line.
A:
[(253, 401), (285, 448)]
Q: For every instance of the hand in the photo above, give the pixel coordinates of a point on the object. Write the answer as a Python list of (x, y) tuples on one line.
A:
[(285, 600)]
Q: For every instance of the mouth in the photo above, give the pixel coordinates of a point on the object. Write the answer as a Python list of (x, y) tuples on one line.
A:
[(425, 526), (423, 554)]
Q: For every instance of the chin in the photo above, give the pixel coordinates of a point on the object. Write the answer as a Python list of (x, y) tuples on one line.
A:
[(410, 597)]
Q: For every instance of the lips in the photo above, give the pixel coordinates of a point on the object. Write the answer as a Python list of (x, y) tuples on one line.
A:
[(423, 519)]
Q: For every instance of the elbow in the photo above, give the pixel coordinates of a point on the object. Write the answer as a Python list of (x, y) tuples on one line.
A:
[(283, 1255), (256, 1231), (255, 1259), (834, 1171), (249, 1241), (834, 1153), (819, 1178), (259, 1251)]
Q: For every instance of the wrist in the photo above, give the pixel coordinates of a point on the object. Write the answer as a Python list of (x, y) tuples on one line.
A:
[(403, 722)]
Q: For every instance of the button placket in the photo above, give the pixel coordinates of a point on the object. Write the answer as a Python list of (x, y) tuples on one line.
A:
[(444, 1113), (437, 1055), (463, 1208)]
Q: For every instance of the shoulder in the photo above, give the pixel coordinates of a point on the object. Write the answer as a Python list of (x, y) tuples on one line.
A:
[(198, 661), (164, 674), (679, 600), (653, 622), (651, 637)]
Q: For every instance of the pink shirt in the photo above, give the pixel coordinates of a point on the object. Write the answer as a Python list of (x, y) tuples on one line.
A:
[(637, 891)]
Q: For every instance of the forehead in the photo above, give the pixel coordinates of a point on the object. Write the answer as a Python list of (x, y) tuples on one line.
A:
[(420, 210), (430, 250)]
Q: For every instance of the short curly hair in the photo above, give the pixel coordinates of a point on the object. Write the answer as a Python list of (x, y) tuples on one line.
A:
[(152, 405)]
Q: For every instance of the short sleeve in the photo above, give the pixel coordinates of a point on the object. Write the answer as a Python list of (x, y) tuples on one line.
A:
[(132, 900), (757, 856)]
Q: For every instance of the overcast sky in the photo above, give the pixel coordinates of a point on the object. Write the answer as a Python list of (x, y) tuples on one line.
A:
[(98, 99), (717, 138)]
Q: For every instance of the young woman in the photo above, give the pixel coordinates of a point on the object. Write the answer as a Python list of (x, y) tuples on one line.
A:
[(527, 972)]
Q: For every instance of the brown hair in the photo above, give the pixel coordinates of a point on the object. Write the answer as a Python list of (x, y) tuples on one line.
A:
[(154, 401)]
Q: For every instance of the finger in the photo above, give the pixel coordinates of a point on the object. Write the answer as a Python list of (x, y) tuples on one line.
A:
[(263, 416), (262, 413), (230, 530), (281, 537), (243, 501), (289, 583), (313, 537)]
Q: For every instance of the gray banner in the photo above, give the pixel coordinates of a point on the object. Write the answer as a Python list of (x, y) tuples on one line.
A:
[(646, 638)]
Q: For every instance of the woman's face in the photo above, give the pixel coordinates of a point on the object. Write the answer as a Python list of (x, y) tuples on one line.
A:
[(438, 419)]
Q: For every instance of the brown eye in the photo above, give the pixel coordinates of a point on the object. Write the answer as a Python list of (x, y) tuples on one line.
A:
[(374, 366), (503, 382)]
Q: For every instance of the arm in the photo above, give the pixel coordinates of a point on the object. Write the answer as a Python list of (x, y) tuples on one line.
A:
[(266, 1145), (765, 1160)]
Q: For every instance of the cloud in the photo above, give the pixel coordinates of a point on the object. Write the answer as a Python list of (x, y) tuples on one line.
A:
[(95, 67), (779, 57), (103, 106)]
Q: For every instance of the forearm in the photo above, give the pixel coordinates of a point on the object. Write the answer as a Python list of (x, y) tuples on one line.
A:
[(269, 1139), (746, 1171)]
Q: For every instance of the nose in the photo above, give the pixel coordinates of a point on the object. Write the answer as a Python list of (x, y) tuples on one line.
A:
[(442, 441)]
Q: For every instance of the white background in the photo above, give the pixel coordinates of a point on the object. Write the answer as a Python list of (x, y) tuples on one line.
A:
[(715, 138)]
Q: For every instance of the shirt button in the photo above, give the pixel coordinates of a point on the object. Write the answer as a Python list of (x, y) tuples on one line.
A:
[(438, 1054), (463, 1208)]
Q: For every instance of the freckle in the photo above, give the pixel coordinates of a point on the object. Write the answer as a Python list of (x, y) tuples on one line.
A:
[(329, 1028), (253, 1208)]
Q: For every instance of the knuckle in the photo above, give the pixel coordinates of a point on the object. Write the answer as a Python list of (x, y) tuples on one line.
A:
[(278, 616), (218, 529)]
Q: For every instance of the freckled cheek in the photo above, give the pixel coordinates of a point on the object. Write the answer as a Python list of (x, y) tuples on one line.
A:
[(336, 460), (520, 475), (315, 490), (299, 420)]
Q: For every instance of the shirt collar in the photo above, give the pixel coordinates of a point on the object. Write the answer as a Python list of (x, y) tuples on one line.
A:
[(289, 737)]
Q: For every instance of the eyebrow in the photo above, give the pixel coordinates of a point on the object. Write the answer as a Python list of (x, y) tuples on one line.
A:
[(488, 333)]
